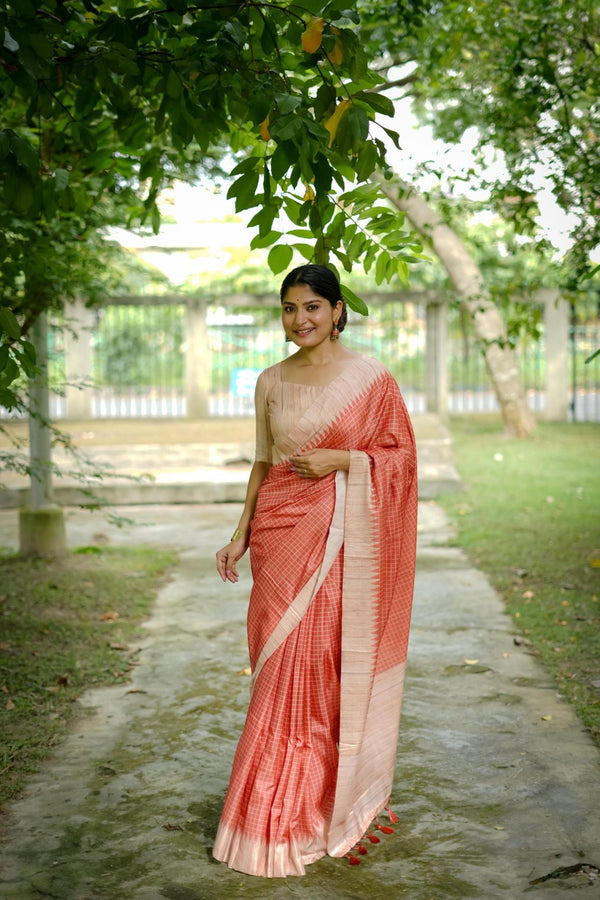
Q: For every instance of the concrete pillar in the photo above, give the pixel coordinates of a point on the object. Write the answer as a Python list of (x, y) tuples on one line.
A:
[(78, 361), (41, 524), (197, 360), (436, 358), (556, 318)]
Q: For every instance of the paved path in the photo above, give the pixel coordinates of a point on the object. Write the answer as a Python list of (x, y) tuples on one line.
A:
[(497, 786)]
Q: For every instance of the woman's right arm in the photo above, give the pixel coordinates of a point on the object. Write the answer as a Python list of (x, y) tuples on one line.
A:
[(228, 556)]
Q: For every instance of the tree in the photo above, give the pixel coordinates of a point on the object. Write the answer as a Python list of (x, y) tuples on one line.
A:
[(526, 76), (488, 325), (104, 103)]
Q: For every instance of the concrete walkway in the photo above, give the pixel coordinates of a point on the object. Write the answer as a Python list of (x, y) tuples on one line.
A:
[(497, 785)]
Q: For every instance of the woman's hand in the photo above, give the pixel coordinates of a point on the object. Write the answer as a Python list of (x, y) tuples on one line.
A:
[(227, 559), (319, 462)]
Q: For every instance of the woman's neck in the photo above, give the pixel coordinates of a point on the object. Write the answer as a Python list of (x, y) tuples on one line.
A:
[(323, 355)]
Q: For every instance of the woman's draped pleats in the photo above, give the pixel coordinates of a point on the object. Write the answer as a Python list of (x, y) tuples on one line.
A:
[(281, 794)]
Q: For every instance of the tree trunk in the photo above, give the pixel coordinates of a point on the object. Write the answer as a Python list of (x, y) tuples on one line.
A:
[(489, 327)]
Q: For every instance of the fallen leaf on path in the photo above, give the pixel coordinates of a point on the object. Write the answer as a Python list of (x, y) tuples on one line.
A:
[(470, 662), (4, 645), (546, 718), (109, 616), (247, 671), (9, 705), (106, 770), (595, 683), (63, 680), (52, 689), (136, 691), (527, 595), (116, 646), (4, 688), (499, 827), (169, 827)]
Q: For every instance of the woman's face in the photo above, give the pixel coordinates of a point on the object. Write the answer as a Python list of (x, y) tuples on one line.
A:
[(307, 318)]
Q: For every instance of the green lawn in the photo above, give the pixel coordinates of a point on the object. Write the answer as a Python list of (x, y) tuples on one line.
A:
[(529, 518), (66, 626)]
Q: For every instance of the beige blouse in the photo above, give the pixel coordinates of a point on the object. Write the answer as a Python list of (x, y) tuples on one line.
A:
[(279, 406)]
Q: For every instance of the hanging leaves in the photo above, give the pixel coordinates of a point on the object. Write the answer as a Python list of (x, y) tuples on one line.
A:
[(312, 37), (333, 122)]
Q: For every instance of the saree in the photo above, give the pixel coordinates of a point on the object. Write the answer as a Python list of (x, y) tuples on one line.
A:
[(333, 568)]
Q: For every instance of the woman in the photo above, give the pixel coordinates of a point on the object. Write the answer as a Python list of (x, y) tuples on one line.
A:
[(330, 518)]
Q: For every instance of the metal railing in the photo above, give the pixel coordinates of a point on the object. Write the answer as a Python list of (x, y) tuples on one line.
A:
[(138, 360)]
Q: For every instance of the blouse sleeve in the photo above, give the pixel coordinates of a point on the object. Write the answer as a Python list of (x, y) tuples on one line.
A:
[(264, 439)]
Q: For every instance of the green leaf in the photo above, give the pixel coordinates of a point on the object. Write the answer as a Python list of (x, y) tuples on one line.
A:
[(381, 266), (283, 157), (4, 143), (24, 152), (3, 356), (279, 258), (286, 128), (29, 349), (378, 102), (260, 241), (8, 399), (287, 103), (174, 87), (268, 37), (403, 270), (10, 372), (155, 219), (593, 356), (61, 179), (306, 250), (355, 303), (264, 219), (9, 323), (366, 161), (246, 165), (244, 191)]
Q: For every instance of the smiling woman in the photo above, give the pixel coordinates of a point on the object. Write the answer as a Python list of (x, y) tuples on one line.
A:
[(330, 519)]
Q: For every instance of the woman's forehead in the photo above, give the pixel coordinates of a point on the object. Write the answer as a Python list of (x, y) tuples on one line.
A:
[(300, 293)]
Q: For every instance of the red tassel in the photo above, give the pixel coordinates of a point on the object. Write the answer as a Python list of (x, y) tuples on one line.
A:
[(385, 828), (374, 839), (353, 860), (361, 849), (391, 815)]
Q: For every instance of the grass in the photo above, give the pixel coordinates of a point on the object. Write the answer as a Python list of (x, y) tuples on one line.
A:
[(66, 626), (528, 517)]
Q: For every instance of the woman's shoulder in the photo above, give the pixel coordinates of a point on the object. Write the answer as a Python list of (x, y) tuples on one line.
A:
[(369, 364), (269, 376)]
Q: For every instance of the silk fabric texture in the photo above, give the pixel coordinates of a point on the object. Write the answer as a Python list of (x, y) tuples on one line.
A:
[(333, 568)]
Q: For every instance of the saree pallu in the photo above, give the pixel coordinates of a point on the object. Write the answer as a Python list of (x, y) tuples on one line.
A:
[(333, 566)]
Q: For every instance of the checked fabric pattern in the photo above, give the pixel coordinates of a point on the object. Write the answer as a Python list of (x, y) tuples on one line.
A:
[(328, 621)]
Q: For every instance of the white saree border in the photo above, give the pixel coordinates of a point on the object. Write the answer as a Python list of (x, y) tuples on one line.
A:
[(369, 705)]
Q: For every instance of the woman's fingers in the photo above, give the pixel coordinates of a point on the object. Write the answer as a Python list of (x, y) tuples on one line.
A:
[(226, 566)]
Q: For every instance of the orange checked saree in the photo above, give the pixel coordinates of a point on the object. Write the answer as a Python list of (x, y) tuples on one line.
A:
[(333, 566)]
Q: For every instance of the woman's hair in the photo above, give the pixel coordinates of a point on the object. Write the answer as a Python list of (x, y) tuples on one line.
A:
[(323, 282)]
